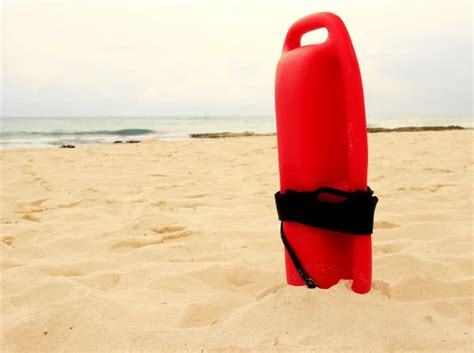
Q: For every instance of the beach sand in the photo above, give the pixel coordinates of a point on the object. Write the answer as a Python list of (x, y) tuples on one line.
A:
[(174, 246)]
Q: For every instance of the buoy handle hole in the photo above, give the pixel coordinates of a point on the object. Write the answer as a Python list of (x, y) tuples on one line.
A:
[(318, 36)]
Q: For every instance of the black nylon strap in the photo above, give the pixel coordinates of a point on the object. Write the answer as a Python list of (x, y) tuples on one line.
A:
[(304, 276), (354, 215)]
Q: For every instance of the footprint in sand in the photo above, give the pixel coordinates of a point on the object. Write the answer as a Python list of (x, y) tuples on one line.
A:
[(197, 196), (30, 217), (417, 288), (437, 170), (163, 206), (385, 225), (269, 290), (383, 287), (449, 309), (239, 277), (70, 273), (202, 314), (192, 204), (134, 244), (45, 293), (139, 201), (168, 229), (172, 232), (102, 281), (166, 233), (8, 240), (69, 205), (390, 248), (428, 318), (37, 202), (32, 207)]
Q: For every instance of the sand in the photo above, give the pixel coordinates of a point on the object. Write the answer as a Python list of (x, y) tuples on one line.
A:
[(174, 246)]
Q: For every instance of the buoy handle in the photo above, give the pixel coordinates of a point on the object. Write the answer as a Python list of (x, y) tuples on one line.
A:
[(310, 23)]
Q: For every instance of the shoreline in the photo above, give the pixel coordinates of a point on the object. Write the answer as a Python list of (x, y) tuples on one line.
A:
[(227, 134), (369, 130)]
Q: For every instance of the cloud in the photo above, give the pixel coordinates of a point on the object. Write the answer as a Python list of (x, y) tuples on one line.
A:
[(219, 57)]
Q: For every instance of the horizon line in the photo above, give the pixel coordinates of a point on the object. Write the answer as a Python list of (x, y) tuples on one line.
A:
[(222, 116)]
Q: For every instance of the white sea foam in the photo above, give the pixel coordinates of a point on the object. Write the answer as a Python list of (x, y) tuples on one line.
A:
[(55, 131)]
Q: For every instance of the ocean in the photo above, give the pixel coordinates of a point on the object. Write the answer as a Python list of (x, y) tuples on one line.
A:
[(18, 132)]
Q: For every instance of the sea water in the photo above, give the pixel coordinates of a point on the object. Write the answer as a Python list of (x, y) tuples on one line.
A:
[(56, 131)]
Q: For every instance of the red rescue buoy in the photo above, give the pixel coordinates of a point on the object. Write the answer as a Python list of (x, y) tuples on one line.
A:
[(322, 143)]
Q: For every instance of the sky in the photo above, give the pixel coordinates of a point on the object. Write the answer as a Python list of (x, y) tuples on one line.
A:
[(205, 57)]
